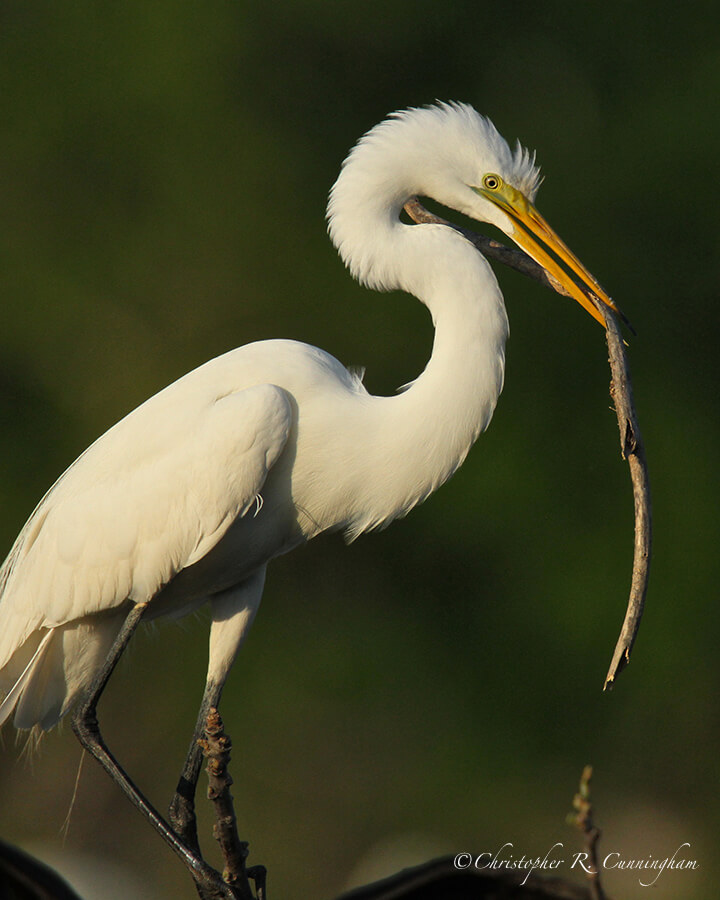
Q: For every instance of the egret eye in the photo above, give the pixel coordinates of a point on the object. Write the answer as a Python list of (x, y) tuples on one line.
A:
[(492, 182)]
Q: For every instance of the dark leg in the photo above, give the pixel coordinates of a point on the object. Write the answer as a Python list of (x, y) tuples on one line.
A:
[(85, 725), (182, 806), (232, 613)]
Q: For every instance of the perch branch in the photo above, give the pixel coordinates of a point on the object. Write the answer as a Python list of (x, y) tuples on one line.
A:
[(631, 444), (216, 748), (583, 819)]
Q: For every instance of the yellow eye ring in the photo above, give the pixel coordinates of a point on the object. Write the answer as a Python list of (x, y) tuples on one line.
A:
[(492, 182)]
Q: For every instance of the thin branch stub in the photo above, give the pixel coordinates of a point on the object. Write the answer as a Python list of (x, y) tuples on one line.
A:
[(583, 820)]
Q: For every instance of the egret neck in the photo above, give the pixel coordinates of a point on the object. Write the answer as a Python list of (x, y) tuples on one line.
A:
[(429, 426)]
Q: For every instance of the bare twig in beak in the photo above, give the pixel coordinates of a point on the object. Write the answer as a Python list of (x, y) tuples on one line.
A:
[(633, 450), (631, 444)]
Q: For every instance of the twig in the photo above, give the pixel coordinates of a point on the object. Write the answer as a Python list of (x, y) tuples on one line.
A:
[(633, 450), (513, 259), (631, 445), (584, 821), (216, 748)]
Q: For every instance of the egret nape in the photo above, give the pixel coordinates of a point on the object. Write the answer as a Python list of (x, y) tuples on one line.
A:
[(186, 500)]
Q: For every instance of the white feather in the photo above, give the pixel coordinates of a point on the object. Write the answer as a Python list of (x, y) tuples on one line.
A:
[(158, 507)]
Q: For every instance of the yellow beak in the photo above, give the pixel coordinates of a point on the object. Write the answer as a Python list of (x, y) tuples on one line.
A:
[(536, 237)]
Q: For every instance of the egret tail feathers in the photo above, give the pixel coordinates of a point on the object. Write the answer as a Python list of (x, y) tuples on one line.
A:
[(10, 701), (60, 668)]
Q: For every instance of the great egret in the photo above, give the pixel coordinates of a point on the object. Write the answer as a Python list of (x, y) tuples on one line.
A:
[(186, 500)]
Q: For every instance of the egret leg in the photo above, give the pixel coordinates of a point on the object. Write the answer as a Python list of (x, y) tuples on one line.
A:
[(182, 806), (232, 611), (86, 727)]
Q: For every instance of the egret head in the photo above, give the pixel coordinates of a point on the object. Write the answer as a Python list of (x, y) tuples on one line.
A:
[(524, 224), (479, 174), (452, 154)]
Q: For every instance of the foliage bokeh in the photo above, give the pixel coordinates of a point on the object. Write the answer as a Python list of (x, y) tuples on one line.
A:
[(435, 688)]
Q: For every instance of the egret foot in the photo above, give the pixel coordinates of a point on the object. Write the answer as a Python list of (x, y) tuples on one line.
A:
[(182, 806), (181, 813)]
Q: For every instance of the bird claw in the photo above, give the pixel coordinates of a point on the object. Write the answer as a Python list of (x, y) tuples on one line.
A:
[(181, 815), (258, 874)]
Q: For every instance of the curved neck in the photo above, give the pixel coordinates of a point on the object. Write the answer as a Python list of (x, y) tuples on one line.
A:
[(433, 262), (424, 433), (437, 419)]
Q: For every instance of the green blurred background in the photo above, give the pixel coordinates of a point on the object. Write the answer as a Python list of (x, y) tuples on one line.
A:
[(435, 688)]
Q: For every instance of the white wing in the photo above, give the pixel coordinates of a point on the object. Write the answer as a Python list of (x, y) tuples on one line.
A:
[(148, 499)]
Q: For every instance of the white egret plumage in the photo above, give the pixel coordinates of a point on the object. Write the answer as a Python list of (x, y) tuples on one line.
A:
[(186, 500)]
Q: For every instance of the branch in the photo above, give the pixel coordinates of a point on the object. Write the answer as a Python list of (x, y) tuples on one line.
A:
[(21, 875), (440, 879), (513, 259), (216, 748), (633, 450), (584, 821), (631, 444)]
